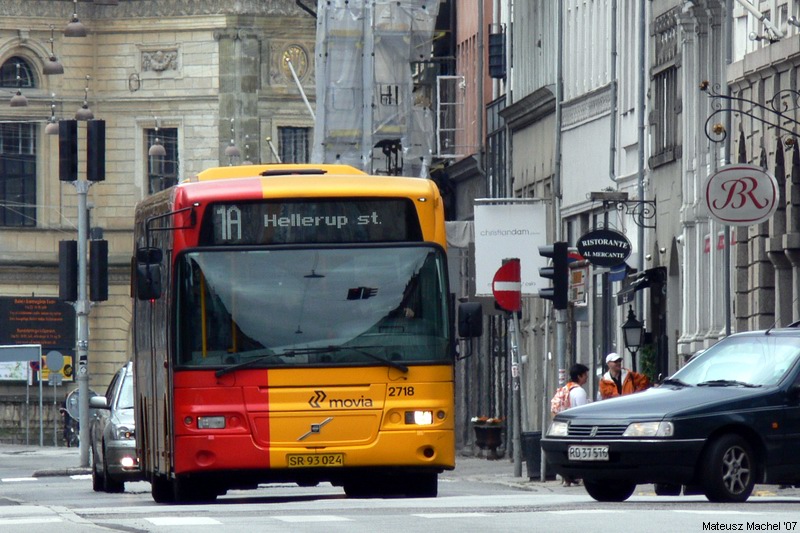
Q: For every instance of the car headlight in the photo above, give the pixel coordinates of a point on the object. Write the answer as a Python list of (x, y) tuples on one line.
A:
[(649, 429), (124, 433), (557, 429)]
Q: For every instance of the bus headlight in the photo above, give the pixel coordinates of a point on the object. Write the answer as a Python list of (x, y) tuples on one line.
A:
[(211, 422), (419, 418)]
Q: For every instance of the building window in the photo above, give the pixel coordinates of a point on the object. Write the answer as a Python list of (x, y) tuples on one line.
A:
[(17, 155), (9, 71), (666, 103), (293, 144), (162, 172)]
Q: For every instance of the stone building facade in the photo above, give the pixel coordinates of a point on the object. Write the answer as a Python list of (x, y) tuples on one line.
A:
[(202, 78)]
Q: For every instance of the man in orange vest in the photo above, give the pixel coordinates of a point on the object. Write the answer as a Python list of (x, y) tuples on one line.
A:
[(619, 381)]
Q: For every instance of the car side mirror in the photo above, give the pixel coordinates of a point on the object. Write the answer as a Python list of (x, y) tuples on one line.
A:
[(470, 320), (98, 402)]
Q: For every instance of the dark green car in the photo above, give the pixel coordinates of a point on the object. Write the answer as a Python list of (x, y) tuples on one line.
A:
[(727, 420)]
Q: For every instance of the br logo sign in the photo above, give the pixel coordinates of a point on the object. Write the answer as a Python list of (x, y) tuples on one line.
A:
[(741, 195)]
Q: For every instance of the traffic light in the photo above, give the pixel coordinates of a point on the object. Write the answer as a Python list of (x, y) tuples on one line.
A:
[(68, 270), (558, 272), (96, 150), (98, 270), (67, 150)]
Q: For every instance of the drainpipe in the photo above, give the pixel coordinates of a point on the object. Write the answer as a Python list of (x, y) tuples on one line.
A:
[(612, 156), (479, 104), (641, 141), (726, 257)]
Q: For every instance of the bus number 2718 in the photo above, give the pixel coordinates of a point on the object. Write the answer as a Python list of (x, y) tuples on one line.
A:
[(401, 391)]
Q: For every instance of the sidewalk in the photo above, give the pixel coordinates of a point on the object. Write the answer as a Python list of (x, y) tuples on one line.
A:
[(48, 461)]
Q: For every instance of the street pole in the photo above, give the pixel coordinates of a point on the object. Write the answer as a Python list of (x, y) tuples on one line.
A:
[(82, 316), (516, 396), (561, 345)]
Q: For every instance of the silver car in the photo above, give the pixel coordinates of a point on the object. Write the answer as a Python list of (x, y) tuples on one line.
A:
[(111, 430)]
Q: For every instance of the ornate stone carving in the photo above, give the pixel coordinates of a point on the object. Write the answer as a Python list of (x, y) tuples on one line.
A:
[(587, 107), (299, 59), (279, 73), (159, 60)]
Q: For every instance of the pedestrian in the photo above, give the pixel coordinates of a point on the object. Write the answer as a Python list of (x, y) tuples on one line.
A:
[(578, 376), (620, 381)]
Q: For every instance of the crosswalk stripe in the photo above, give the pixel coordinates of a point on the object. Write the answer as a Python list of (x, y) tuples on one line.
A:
[(312, 518), (37, 520), (183, 521), (16, 479)]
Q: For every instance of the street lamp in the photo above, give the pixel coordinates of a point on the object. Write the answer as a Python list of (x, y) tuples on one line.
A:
[(632, 331)]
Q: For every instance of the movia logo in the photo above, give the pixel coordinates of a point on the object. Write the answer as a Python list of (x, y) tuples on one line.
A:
[(604, 247), (319, 396)]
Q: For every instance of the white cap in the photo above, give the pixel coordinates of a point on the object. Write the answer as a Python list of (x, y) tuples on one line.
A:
[(613, 356)]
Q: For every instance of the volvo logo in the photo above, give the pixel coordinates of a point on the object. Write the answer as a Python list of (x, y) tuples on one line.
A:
[(319, 396), (315, 428), (593, 433)]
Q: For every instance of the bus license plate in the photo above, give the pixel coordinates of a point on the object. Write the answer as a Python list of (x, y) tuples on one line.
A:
[(313, 460), (588, 453)]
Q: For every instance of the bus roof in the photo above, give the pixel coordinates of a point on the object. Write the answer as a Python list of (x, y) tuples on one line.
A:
[(248, 171)]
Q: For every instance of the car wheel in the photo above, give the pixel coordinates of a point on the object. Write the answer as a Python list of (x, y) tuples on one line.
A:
[(111, 484), (609, 491), (729, 471), (98, 485)]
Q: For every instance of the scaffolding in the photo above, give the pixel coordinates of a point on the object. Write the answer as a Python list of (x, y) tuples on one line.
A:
[(371, 111)]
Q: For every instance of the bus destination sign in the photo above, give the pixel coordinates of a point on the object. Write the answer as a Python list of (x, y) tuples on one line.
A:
[(317, 221)]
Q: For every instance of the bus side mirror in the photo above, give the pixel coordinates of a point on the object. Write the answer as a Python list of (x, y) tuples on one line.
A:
[(470, 320), (148, 273), (149, 254)]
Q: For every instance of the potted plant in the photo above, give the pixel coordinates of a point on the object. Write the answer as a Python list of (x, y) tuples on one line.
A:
[(488, 433)]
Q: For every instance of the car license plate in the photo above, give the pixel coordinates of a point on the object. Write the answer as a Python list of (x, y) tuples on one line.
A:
[(312, 460), (588, 453)]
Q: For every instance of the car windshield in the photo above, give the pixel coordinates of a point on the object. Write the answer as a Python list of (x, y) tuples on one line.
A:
[(312, 307), (759, 360)]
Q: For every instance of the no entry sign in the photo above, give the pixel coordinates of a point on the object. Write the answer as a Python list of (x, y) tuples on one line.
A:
[(507, 286)]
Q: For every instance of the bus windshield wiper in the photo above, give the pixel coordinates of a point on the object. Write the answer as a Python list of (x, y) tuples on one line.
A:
[(228, 369), (305, 351), (394, 364), (675, 381), (726, 383)]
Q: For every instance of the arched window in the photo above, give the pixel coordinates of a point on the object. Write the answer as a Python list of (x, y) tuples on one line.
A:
[(9, 71), (17, 155)]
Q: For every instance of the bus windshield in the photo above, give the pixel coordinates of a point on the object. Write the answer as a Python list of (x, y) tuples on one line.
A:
[(328, 306)]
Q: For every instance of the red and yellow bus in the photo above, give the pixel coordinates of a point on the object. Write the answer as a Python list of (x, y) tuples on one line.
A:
[(293, 323)]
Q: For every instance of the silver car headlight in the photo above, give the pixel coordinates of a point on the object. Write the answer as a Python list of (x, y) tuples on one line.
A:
[(557, 429), (649, 429), (124, 433)]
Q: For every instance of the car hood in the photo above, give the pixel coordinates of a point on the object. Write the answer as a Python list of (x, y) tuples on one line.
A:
[(124, 417), (670, 401)]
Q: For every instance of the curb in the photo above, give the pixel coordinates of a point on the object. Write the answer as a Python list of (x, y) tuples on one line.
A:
[(77, 471)]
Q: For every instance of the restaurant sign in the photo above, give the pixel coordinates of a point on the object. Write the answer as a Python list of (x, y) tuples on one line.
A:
[(604, 247)]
